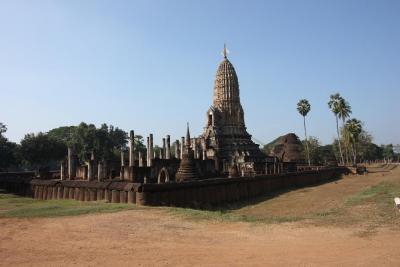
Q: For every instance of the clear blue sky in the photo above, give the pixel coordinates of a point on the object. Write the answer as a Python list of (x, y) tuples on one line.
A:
[(150, 65)]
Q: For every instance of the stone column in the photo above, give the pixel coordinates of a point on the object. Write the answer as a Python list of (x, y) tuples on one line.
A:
[(182, 146), (140, 159), (131, 149), (122, 171), (168, 149), (199, 154), (151, 147), (163, 151), (177, 150), (62, 170), (90, 170), (194, 147), (100, 171), (71, 165), (148, 152), (204, 155), (122, 157)]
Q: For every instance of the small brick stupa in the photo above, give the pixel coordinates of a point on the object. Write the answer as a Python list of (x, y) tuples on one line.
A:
[(187, 169)]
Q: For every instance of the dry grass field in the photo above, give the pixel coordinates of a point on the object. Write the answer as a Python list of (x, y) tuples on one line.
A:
[(348, 222)]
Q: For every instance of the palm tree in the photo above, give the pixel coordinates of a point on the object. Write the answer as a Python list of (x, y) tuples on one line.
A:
[(344, 111), (303, 107), (334, 104), (354, 129)]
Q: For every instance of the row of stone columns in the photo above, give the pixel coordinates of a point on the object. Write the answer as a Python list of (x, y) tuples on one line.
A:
[(91, 168), (276, 168), (68, 169), (131, 154), (199, 150), (165, 152)]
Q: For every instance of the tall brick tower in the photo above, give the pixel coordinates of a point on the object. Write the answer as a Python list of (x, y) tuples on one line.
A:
[(225, 137)]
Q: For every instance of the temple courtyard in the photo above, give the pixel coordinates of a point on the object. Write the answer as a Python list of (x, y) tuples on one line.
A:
[(351, 221)]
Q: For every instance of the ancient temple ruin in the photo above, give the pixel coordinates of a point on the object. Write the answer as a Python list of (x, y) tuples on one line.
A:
[(221, 165), (225, 138), (225, 149)]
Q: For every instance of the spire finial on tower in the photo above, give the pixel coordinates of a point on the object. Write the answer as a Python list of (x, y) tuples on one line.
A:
[(225, 52)]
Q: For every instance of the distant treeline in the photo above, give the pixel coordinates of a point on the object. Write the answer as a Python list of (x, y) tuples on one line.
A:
[(48, 149), (323, 154)]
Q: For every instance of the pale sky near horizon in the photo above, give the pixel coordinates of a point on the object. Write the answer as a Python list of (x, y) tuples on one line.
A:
[(150, 65)]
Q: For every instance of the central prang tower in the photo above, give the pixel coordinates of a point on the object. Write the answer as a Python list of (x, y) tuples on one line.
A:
[(225, 137)]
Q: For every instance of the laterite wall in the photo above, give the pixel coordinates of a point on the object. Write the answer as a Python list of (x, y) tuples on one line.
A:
[(218, 191), (114, 192), (198, 194)]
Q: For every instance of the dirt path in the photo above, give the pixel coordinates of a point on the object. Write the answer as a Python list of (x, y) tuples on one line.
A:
[(320, 198), (154, 237)]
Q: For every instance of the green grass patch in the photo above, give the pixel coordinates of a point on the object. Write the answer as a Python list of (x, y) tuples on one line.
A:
[(21, 207), (227, 215), (378, 203), (381, 194)]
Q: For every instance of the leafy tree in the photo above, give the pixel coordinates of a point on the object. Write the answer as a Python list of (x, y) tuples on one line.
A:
[(370, 151), (327, 155), (8, 154), (64, 134), (85, 139), (303, 107), (353, 128), (335, 104), (320, 155), (344, 111), (105, 142), (117, 137), (8, 150), (3, 128), (139, 144), (388, 152), (366, 150), (315, 150), (41, 149)]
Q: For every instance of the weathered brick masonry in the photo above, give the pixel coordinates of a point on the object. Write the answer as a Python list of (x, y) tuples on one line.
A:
[(211, 192), (201, 193)]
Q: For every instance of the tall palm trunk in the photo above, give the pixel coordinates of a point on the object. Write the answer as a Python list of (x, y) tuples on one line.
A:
[(340, 145), (346, 153), (305, 133), (354, 155), (346, 147)]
